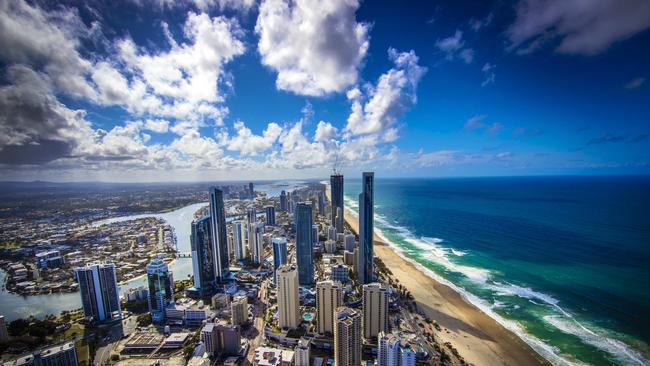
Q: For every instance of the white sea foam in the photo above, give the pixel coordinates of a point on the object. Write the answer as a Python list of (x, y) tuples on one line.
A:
[(458, 253), (621, 351)]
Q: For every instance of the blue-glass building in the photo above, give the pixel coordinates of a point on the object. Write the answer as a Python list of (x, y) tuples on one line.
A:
[(218, 234), (336, 185), (203, 255), (279, 253)]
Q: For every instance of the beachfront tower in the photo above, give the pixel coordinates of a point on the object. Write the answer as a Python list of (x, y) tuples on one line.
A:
[(279, 254), (375, 310), (304, 245), (287, 296), (202, 255), (161, 288), (336, 186), (219, 235), (347, 337), (100, 296), (366, 220), (329, 296)]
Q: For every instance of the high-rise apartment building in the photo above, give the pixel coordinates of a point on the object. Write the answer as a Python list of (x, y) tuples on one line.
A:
[(203, 255), (375, 309), (287, 296), (238, 239), (302, 353), (239, 310), (161, 288), (393, 352), (329, 297), (283, 202), (256, 242), (100, 296), (347, 337), (60, 355)]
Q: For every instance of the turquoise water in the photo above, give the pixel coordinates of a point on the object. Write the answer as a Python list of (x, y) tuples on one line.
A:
[(562, 261)]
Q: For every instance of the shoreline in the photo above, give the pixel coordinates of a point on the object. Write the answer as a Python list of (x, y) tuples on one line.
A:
[(478, 337)]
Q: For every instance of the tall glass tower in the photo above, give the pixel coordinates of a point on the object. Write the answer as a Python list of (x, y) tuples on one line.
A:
[(161, 288), (202, 255), (366, 227), (100, 296), (304, 245), (279, 254), (336, 185), (218, 234)]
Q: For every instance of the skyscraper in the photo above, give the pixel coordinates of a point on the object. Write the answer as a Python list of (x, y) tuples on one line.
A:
[(366, 228), (329, 297), (347, 337), (375, 309), (238, 241), (279, 254), (202, 255), (256, 242), (283, 201), (270, 215), (100, 297), (336, 186), (219, 234), (161, 288), (304, 246), (302, 350), (251, 190), (287, 296)]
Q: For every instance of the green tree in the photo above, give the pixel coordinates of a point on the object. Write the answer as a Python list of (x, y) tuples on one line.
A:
[(18, 327)]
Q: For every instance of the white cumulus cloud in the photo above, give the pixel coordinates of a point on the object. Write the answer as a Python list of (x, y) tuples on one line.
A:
[(316, 47)]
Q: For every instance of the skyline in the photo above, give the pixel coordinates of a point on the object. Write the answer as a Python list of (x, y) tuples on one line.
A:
[(208, 90)]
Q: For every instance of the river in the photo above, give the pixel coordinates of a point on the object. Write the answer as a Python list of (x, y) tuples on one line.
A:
[(14, 306)]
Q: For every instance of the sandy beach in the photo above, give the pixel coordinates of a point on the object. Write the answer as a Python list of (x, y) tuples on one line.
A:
[(480, 339)]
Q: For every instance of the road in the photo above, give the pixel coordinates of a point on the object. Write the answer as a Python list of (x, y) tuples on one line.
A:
[(115, 334)]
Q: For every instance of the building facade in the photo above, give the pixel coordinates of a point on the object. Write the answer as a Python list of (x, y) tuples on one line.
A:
[(256, 242), (270, 215), (60, 355), (366, 228), (336, 186), (203, 255), (347, 337), (239, 310), (279, 254), (288, 296), (219, 234), (304, 245), (329, 297), (283, 201), (238, 239), (161, 288), (100, 296), (375, 310)]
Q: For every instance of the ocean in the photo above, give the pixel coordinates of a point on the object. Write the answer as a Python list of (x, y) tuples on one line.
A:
[(562, 261)]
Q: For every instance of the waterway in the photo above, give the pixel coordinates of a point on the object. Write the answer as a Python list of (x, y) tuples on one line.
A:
[(14, 306)]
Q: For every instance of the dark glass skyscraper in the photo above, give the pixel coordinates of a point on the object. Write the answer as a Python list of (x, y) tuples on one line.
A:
[(100, 296), (366, 227), (283, 201), (251, 190), (218, 234), (336, 185), (270, 215), (304, 244), (279, 253), (202, 255)]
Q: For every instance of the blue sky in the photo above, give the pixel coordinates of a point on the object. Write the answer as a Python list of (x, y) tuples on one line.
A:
[(154, 90)]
